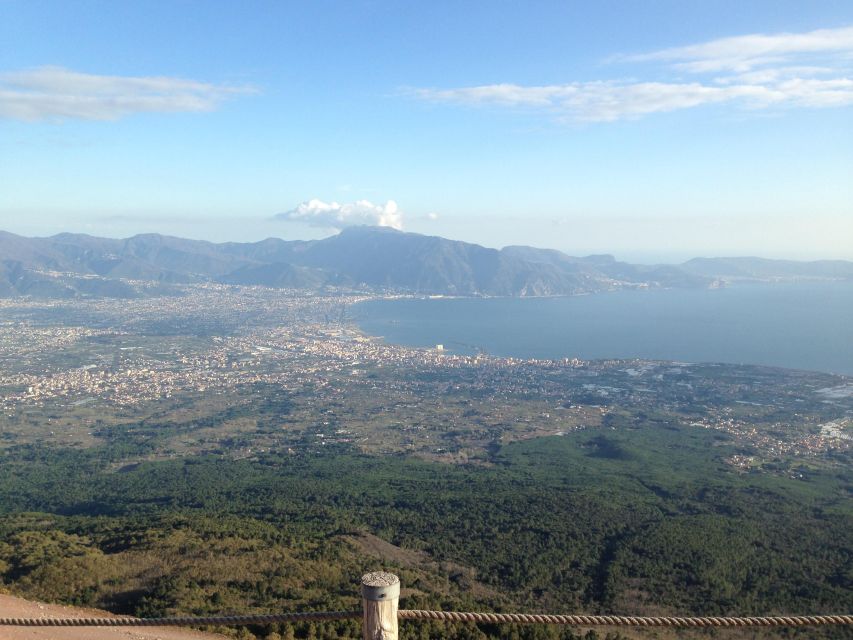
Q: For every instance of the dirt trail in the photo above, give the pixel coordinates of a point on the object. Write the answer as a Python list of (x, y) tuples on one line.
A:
[(11, 607)]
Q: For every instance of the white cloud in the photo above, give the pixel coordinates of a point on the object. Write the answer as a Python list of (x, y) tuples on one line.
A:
[(744, 53), (609, 101), (56, 93), (337, 216), (754, 71)]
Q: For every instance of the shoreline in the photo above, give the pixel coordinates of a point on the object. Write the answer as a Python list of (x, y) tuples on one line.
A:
[(765, 338)]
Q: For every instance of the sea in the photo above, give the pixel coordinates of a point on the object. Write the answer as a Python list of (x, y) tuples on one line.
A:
[(803, 325)]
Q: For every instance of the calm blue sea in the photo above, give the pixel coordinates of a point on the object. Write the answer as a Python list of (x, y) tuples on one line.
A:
[(799, 326)]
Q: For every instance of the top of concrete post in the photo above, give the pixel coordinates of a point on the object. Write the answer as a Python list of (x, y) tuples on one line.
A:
[(380, 585)]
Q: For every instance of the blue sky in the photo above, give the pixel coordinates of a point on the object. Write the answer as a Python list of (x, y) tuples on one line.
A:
[(652, 130)]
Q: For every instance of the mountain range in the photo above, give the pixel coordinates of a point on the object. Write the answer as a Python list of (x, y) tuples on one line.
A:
[(363, 258)]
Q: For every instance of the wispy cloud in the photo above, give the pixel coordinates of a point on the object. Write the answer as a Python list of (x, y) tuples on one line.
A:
[(56, 93), (744, 53), (332, 215), (607, 101), (754, 71)]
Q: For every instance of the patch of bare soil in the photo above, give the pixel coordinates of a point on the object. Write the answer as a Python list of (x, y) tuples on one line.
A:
[(375, 546), (464, 577), (12, 607)]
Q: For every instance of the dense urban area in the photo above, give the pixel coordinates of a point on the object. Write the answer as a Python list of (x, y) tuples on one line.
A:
[(85, 360)]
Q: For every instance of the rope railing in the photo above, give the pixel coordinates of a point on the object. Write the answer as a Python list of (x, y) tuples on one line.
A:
[(627, 621), (188, 621), (380, 594), (443, 616)]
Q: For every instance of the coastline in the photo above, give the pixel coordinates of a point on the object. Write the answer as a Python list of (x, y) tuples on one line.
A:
[(680, 325)]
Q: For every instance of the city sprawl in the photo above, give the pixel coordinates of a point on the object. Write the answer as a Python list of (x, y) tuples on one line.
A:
[(246, 370)]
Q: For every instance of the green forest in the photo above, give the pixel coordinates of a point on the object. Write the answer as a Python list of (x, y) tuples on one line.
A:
[(635, 521)]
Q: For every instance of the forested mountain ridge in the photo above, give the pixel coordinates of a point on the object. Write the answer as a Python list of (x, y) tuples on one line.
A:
[(372, 258)]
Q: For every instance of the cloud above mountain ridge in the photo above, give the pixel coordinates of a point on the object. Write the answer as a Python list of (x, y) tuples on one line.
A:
[(333, 215)]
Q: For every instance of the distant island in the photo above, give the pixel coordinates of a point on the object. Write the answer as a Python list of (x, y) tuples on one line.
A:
[(376, 259)]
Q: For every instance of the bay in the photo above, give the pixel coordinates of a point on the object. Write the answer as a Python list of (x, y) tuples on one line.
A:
[(799, 326)]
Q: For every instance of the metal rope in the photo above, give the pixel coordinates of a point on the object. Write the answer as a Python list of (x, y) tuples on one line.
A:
[(447, 616)]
